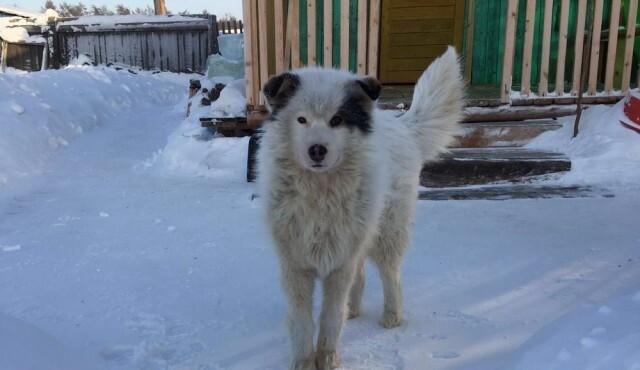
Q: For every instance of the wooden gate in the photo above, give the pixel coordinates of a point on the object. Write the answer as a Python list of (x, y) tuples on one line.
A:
[(414, 33)]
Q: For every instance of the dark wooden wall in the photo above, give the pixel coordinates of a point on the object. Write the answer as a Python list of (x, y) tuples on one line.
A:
[(26, 57)]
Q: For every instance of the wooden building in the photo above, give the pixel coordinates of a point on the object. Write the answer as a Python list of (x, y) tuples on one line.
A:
[(524, 52)]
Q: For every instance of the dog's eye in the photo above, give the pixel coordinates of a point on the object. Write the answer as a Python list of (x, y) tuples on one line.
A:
[(335, 121), (302, 120)]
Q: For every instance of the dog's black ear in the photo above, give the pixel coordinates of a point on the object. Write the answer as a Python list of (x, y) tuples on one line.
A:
[(371, 86), (280, 88)]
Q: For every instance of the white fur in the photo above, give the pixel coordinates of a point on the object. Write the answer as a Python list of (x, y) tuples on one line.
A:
[(325, 222)]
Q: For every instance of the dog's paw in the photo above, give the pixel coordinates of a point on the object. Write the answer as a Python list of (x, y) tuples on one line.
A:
[(327, 360), (391, 319), (307, 363)]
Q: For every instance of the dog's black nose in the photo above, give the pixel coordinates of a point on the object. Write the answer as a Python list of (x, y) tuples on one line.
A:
[(317, 152)]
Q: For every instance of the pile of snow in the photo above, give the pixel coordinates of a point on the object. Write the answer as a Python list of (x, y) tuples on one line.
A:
[(46, 110), (230, 62), (14, 34), (196, 151), (603, 153)]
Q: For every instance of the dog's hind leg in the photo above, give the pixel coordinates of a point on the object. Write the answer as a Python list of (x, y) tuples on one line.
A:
[(387, 256), (334, 313), (355, 295), (298, 285)]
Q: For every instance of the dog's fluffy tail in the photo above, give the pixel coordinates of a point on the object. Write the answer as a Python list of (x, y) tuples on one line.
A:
[(436, 108)]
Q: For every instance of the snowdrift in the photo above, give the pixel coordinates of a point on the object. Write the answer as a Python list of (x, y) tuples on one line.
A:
[(40, 112)]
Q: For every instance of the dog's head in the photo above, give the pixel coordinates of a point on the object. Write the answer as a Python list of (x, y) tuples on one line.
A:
[(323, 112)]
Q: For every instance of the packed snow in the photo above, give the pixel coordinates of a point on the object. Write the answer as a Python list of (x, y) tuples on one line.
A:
[(129, 239)]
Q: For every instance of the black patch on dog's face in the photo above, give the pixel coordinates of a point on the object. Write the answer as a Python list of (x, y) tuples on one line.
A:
[(358, 104), (279, 89)]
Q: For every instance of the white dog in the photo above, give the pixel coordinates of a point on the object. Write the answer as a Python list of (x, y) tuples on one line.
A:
[(340, 180)]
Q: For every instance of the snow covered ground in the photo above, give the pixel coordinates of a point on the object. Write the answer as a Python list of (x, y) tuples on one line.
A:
[(129, 240)]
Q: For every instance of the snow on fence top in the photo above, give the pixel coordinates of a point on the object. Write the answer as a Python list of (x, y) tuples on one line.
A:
[(123, 22)]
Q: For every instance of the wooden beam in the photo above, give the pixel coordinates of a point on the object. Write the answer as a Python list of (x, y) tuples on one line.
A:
[(361, 60), (527, 53), (295, 33), (628, 46), (374, 38), (255, 57), (543, 87), (159, 7), (289, 36), (595, 48), (509, 43), (562, 47), (328, 33), (468, 44), (278, 8), (612, 45), (311, 33), (579, 47), (344, 34)]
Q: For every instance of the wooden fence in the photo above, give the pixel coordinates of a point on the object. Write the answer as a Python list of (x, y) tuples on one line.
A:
[(274, 34), (23, 56), (230, 26), (176, 47), (609, 61)]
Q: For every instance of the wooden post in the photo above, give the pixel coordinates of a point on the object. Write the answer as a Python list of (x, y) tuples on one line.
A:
[(528, 47), (468, 44), (311, 32), (628, 46), (159, 7), (579, 47), (374, 37), (263, 55), (562, 47), (255, 58), (328, 33), (612, 45), (3, 61), (361, 60), (509, 43), (595, 47), (585, 69), (543, 87), (294, 16), (344, 34)]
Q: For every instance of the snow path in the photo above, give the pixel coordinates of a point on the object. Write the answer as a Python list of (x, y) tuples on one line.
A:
[(131, 268)]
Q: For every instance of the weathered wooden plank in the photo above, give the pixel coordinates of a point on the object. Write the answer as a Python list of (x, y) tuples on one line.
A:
[(579, 47), (628, 46), (612, 45), (528, 48), (278, 17), (361, 60), (374, 37), (311, 33), (458, 29), (468, 52), (295, 33), (562, 47), (421, 25), (420, 3), (412, 52), (543, 87), (419, 39), (263, 55), (416, 64), (328, 33), (252, 100), (344, 34), (509, 43), (595, 48)]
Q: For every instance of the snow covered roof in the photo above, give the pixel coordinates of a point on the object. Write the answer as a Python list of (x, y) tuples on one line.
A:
[(13, 11)]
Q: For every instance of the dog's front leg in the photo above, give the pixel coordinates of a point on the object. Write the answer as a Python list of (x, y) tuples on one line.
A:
[(298, 285), (334, 313)]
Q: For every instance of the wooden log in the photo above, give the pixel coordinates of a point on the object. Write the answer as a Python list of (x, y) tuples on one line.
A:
[(628, 46), (595, 48), (579, 47), (374, 37), (562, 47), (612, 45), (344, 34), (509, 43), (543, 87), (361, 60), (528, 48)]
